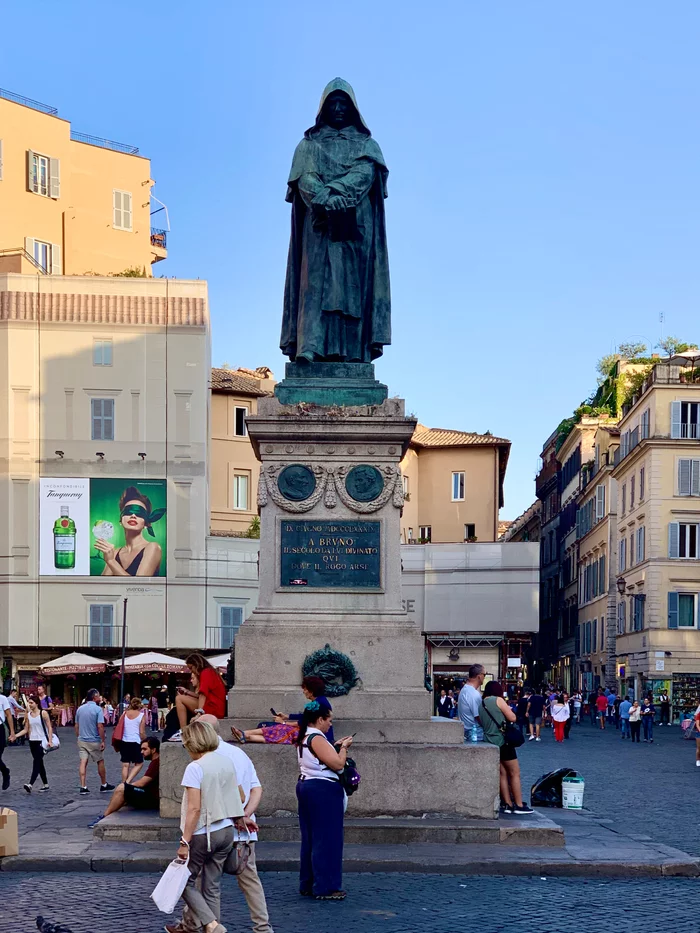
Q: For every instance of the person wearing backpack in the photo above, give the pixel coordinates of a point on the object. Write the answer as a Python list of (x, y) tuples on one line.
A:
[(321, 800)]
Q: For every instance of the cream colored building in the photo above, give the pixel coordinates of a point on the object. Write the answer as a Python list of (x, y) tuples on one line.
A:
[(234, 471), (72, 204), (453, 482), (596, 535), (105, 386), (657, 470)]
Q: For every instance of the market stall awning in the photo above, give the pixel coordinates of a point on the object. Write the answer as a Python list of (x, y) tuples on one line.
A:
[(73, 663), (220, 661), (152, 662)]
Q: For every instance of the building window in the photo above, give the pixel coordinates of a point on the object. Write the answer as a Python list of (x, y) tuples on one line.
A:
[(641, 484), (624, 498), (425, 533), (683, 540), (623, 554), (43, 175), (470, 532), (632, 490), (638, 614), (682, 610), (102, 415), (230, 620), (240, 413), (46, 255), (594, 643), (102, 352), (688, 477), (600, 502), (405, 487), (101, 625), (644, 425), (621, 612), (410, 535), (122, 210), (240, 491), (685, 418), (631, 550), (640, 545), (457, 487), (602, 582)]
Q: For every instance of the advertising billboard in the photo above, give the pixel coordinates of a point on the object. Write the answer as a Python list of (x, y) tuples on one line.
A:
[(103, 527)]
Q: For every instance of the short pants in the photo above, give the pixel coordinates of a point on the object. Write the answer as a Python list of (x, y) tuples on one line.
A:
[(90, 751)]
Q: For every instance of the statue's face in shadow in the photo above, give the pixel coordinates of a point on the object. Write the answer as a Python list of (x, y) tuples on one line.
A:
[(338, 110)]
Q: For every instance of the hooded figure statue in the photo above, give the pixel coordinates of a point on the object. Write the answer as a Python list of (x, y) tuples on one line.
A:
[(337, 305)]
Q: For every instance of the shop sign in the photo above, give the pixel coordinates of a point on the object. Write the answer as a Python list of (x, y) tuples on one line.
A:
[(660, 665), (514, 662)]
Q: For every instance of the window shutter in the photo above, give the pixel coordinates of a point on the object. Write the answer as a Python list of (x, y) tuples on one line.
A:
[(600, 501), (54, 178), (0, 160), (673, 610), (684, 476), (673, 539), (56, 267), (640, 544), (29, 245), (32, 180), (126, 210), (108, 419), (601, 576), (117, 219), (623, 554), (675, 419), (695, 477)]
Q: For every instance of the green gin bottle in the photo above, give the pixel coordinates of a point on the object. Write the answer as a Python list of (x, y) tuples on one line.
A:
[(64, 541)]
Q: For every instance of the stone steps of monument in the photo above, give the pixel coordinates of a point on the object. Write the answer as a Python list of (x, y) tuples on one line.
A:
[(534, 830)]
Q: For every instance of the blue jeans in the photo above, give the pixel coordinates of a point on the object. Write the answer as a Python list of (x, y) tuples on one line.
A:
[(625, 726), (648, 724), (321, 824)]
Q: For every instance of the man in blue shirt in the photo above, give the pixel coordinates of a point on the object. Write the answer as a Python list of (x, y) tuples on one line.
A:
[(612, 696), (535, 709), (90, 729), (625, 708), (469, 703)]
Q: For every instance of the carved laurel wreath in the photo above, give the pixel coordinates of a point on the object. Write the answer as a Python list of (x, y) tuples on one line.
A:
[(330, 486)]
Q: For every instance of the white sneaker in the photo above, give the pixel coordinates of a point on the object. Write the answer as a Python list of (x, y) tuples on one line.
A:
[(177, 737), (531, 738), (697, 764), (538, 739)]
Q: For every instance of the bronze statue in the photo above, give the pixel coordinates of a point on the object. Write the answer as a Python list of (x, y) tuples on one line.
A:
[(337, 305)]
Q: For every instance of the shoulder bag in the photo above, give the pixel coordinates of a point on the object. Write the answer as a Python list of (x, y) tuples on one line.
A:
[(118, 734), (511, 734), (55, 741)]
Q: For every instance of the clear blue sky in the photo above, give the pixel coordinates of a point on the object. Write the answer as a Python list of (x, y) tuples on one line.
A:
[(544, 170)]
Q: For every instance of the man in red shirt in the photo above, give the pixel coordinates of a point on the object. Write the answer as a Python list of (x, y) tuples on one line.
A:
[(602, 706), (141, 794)]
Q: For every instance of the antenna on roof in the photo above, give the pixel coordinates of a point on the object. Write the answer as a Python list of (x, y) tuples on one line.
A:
[(661, 324)]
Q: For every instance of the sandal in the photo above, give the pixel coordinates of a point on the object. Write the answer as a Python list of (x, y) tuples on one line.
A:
[(237, 734), (333, 896)]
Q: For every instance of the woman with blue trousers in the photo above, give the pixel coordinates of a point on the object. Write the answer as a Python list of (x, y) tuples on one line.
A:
[(321, 801)]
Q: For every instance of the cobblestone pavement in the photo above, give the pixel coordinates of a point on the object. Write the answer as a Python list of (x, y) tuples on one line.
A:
[(387, 903)]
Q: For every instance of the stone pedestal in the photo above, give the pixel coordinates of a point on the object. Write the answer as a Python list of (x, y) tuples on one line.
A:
[(331, 494)]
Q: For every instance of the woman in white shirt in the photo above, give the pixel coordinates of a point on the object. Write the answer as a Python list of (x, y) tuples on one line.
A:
[(40, 731), (134, 734), (321, 805), (212, 804), (560, 714)]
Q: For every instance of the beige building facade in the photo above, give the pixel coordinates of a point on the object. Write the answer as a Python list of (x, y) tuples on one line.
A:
[(73, 204), (453, 484), (104, 404), (657, 471), (234, 470)]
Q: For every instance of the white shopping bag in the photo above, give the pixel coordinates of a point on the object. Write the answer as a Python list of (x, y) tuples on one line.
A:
[(169, 889)]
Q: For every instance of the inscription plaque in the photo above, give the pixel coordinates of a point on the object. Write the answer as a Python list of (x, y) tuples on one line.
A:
[(330, 553)]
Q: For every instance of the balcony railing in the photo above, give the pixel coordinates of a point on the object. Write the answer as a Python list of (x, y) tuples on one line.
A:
[(98, 636), (219, 638), (159, 238), (103, 143), (28, 102)]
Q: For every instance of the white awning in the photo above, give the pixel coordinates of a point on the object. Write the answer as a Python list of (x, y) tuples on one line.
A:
[(220, 661), (73, 663), (152, 662)]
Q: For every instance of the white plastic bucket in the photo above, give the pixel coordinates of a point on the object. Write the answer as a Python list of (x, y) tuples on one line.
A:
[(572, 793)]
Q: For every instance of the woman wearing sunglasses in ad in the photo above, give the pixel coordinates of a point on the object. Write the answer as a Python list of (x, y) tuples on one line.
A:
[(138, 557)]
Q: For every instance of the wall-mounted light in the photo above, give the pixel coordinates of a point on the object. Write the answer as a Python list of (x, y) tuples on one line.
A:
[(621, 585), (59, 453), (100, 455), (143, 456)]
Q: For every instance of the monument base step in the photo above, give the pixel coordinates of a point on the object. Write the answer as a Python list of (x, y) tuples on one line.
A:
[(378, 731), (534, 830), (329, 384)]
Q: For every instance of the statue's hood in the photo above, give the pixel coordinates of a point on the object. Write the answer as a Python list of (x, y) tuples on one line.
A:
[(339, 84)]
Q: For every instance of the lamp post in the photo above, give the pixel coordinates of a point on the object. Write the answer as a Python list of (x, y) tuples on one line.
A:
[(621, 586)]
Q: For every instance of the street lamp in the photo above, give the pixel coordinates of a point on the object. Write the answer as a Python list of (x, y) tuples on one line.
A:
[(621, 585)]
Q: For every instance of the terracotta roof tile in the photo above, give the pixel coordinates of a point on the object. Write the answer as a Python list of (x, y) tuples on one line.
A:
[(224, 380), (443, 437)]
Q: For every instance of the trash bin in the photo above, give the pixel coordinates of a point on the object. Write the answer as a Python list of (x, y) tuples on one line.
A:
[(572, 793), (547, 790)]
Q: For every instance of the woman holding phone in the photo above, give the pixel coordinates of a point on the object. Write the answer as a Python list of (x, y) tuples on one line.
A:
[(285, 731)]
